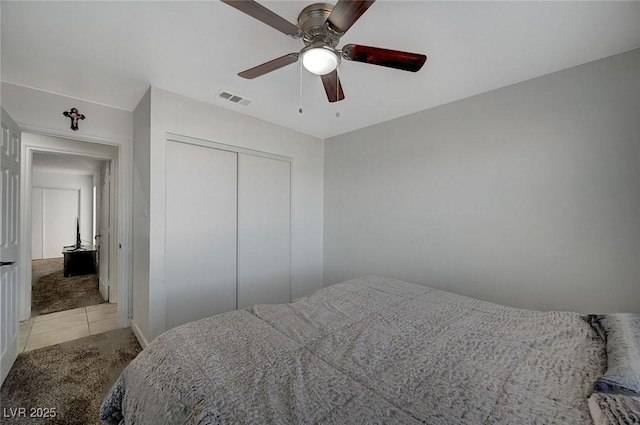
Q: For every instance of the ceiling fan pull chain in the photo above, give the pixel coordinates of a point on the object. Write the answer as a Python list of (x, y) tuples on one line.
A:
[(337, 97), (300, 110)]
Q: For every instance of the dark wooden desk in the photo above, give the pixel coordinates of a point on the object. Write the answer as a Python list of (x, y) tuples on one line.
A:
[(79, 261)]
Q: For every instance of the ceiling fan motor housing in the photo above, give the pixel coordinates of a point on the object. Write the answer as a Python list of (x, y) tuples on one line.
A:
[(312, 21)]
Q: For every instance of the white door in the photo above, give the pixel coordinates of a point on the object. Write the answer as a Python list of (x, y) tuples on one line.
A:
[(200, 253), (104, 232), (264, 192), (60, 210), (9, 221)]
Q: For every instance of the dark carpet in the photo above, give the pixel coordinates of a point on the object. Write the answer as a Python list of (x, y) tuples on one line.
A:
[(52, 292), (72, 377)]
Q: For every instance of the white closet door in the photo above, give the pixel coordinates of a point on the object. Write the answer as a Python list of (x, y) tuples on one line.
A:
[(60, 209), (264, 191), (201, 205)]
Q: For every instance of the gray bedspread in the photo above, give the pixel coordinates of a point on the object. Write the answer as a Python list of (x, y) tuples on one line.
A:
[(367, 351)]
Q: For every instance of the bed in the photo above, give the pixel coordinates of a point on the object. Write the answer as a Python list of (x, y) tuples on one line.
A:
[(377, 350)]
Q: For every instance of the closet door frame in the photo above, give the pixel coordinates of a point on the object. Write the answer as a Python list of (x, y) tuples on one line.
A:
[(221, 146), (173, 137)]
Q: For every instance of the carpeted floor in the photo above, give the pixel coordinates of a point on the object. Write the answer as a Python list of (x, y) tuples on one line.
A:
[(72, 377), (52, 292)]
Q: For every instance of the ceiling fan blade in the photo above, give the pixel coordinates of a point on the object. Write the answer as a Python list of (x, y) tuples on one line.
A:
[(267, 67), (391, 58), (262, 14), (332, 86), (345, 13)]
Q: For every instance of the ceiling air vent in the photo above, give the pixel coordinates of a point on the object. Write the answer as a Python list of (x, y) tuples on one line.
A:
[(235, 98)]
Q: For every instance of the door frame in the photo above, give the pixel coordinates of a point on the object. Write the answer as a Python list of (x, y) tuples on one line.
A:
[(110, 291), (118, 153)]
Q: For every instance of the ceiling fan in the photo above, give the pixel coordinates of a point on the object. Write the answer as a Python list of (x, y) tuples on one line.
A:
[(320, 27)]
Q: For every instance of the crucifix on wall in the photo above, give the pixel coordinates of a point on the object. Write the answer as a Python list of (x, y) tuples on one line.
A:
[(74, 115)]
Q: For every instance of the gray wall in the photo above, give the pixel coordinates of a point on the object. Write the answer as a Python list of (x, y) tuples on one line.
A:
[(40, 111), (141, 201), (527, 196)]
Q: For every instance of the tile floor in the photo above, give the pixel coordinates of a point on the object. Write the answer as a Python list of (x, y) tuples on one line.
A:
[(54, 328)]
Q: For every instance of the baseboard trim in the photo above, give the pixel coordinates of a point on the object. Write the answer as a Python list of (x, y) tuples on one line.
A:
[(136, 331)]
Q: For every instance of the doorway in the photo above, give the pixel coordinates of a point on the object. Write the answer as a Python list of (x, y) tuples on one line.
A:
[(70, 187), (64, 218)]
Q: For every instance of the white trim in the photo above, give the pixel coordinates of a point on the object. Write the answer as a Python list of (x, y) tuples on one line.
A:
[(59, 188), (121, 208), (221, 146), (136, 331), (102, 287), (290, 230), (66, 95), (114, 229), (70, 135)]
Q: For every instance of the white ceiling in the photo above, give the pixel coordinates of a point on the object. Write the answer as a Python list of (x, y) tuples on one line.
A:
[(110, 52), (65, 164)]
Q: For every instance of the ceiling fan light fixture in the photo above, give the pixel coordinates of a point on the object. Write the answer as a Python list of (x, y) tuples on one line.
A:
[(320, 60)]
